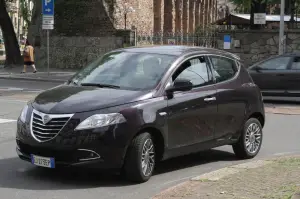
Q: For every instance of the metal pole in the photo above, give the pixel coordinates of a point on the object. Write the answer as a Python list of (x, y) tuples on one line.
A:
[(281, 31), (48, 54)]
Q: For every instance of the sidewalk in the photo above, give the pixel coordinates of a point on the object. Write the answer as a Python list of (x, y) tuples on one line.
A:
[(274, 178), (55, 75)]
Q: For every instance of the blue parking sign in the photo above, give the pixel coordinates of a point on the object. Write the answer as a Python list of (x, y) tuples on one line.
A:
[(48, 7)]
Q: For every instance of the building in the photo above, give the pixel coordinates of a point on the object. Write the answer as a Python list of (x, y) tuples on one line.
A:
[(84, 30)]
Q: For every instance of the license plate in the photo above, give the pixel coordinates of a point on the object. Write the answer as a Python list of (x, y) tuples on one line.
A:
[(43, 161)]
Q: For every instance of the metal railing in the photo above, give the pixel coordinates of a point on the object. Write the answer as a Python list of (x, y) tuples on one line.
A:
[(206, 37)]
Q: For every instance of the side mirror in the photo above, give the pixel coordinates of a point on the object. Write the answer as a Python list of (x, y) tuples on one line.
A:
[(180, 85), (257, 68)]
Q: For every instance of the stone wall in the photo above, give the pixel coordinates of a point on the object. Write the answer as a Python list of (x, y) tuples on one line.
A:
[(75, 52), (86, 28), (259, 44)]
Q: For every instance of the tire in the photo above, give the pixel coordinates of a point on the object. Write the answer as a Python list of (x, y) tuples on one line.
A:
[(240, 148), (133, 167)]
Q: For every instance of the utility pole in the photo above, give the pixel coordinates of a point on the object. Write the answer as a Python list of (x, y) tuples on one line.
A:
[(281, 30)]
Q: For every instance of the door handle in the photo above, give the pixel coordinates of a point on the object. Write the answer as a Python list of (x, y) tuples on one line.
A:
[(209, 99), (279, 74)]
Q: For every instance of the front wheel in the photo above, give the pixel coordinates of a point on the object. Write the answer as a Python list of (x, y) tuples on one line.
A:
[(140, 158), (250, 141)]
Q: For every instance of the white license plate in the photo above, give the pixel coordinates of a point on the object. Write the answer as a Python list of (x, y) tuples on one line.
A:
[(43, 161)]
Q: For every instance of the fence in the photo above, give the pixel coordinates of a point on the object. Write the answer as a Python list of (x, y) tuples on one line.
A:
[(206, 37)]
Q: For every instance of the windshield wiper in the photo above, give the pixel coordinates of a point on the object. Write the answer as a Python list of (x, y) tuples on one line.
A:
[(100, 85)]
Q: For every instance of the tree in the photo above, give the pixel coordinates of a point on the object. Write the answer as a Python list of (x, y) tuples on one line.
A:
[(25, 11), (12, 49)]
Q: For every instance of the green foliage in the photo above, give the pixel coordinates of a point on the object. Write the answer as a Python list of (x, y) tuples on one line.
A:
[(244, 6), (25, 11)]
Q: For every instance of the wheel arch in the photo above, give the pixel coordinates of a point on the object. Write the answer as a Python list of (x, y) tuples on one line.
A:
[(258, 116), (158, 138)]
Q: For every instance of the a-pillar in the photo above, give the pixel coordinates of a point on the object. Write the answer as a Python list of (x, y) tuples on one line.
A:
[(191, 15), (197, 14)]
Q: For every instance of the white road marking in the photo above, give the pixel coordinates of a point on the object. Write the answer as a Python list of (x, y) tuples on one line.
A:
[(2, 121)]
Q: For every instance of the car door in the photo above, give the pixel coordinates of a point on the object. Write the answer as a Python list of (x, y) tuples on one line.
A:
[(270, 75), (292, 78), (192, 114), (230, 98)]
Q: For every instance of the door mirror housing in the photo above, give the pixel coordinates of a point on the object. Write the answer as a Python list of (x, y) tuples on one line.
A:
[(180, 85), (257, 68)]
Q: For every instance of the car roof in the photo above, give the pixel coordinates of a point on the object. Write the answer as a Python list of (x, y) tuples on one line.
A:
[(276, 56), (178, 50)]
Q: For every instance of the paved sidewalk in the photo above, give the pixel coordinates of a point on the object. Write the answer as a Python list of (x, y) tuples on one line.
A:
[(275, 178), (55, 75)]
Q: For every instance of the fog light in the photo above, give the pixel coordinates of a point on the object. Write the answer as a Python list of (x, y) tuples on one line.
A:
[(87, 154)]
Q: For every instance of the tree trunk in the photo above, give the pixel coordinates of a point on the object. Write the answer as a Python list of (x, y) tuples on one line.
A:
[(12, 49), (257, 6)]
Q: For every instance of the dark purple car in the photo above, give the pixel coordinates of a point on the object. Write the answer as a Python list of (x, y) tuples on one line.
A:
[(136, 106)]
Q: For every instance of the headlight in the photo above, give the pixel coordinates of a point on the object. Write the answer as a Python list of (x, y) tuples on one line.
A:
[(24, 113), (101, 120)]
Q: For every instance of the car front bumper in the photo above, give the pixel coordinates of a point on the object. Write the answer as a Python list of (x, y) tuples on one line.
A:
[(102, 148)]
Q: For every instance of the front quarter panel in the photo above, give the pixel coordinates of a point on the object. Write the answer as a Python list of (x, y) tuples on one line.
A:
[(146, 114)]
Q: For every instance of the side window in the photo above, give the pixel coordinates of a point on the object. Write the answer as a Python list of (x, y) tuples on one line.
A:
[(296, 64), (223, 68), (195, 70), (279, 63)]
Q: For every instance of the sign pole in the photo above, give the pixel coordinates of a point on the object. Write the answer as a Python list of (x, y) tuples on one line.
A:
[(48, 53), (48, 24)]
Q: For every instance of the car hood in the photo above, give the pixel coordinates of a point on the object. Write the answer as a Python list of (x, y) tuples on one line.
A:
[(73, 99)]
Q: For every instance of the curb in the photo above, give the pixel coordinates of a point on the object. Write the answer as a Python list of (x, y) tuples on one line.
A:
[(34, 79)]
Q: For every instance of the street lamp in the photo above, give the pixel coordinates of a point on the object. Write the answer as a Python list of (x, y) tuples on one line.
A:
[(127, 11)]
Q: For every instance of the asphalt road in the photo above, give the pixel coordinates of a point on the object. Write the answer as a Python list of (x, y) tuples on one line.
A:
[(21, 180)]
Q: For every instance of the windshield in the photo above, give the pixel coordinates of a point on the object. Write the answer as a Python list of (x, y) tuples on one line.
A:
[(126, 70)]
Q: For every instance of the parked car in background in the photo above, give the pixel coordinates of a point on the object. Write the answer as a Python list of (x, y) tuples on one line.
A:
[(136, 106), (278, 76)]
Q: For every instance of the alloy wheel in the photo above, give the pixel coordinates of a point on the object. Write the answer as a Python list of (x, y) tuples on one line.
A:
[(148, 157), (253, 138)]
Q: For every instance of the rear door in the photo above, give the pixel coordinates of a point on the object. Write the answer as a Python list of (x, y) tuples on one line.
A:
[(231, 104), (270, 75), (292, 78)]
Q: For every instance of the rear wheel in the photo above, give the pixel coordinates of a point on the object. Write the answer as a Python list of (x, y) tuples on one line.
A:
[(140, 158), (250, 141)]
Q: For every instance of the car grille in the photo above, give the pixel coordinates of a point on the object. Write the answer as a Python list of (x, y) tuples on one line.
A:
[(46, 129)]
